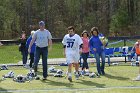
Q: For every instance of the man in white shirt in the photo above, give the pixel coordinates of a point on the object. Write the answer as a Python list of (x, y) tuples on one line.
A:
[(72, 49), (42, 37)]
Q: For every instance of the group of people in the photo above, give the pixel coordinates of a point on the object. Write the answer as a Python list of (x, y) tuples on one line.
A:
[(36, 45), (74, 47)]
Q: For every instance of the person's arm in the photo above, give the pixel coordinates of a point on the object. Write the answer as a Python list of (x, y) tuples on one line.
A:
[(64, 46), (91, 45), (50, 44), (64, 50), (80, 44), (50, 41), (28, 42)]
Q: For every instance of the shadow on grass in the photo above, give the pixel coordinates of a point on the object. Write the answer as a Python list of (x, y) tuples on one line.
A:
[(116, 77), (90, 83), (39, 73), (57, 83)]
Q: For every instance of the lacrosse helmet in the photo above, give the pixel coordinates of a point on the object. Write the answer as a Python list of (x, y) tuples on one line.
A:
[(4, 67), (20, 79), (9, 75), (52, 69), (59, 73), (31, 73), (92, 75)]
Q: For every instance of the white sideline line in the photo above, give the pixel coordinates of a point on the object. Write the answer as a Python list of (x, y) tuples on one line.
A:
[(71, 89)]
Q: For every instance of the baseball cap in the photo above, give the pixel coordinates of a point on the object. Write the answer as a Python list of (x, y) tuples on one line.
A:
[(41, 23)]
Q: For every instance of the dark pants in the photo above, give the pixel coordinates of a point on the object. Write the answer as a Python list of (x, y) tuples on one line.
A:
[(100, 69), (44, 52), (31, 59), (24, 53), (85, 64)]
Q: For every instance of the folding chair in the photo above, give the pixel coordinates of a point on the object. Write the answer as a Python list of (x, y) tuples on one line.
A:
[(109, 52), (117, 52)]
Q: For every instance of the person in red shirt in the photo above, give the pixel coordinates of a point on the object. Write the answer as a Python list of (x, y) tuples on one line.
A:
[(137, 47), (137, 50), (85, 50)]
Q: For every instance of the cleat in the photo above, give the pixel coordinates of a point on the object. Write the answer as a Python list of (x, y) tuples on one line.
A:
[(70, 79), (76, 76), (44, 79)]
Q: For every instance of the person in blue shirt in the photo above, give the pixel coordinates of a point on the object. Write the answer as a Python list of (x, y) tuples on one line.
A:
[(32, 49), (97, 48)]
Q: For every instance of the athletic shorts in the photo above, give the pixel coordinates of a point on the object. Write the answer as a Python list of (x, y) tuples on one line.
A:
[(72, 57)]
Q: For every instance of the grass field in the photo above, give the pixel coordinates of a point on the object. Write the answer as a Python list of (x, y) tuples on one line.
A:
[(10, 53), (118, 79)]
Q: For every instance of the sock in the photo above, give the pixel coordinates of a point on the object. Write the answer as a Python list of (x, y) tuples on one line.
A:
[(76, 73), (69, 74)]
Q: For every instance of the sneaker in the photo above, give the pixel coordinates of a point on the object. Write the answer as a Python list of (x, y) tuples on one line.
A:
[(44, 78), (70, 78), (26, 66), (77, 76), (103, 72), (35, 74), (98, 75), (82, 72)]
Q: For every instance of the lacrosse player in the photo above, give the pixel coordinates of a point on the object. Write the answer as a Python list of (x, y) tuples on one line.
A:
[(72, 49)]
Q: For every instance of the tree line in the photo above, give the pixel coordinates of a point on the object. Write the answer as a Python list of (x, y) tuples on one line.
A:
[(112, 17)]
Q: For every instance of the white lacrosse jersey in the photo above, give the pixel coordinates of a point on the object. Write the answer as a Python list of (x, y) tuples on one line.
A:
[(72, 43)]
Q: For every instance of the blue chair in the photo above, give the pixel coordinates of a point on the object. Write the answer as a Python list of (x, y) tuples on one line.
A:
[(130, 49), (117, 52), (109, 52)]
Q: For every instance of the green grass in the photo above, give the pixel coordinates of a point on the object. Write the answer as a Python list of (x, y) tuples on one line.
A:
[(57, 51), (121, 44), (10, 53), (116, 76)]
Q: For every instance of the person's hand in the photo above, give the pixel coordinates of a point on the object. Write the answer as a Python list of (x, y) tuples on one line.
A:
[(94, 49), (80, 51)]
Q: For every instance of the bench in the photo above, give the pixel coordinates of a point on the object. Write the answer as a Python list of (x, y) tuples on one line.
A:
[(114, 52)]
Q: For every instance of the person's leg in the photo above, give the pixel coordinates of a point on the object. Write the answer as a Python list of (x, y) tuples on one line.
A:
[(108, 60), (97, 57), (69, 62), (69, 72), (24, 56), (86, 63), (76, 67), (37, 57), (76, 59), (136, 57), (103, 62), (31, 59), (44, 61), (22, 53)]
